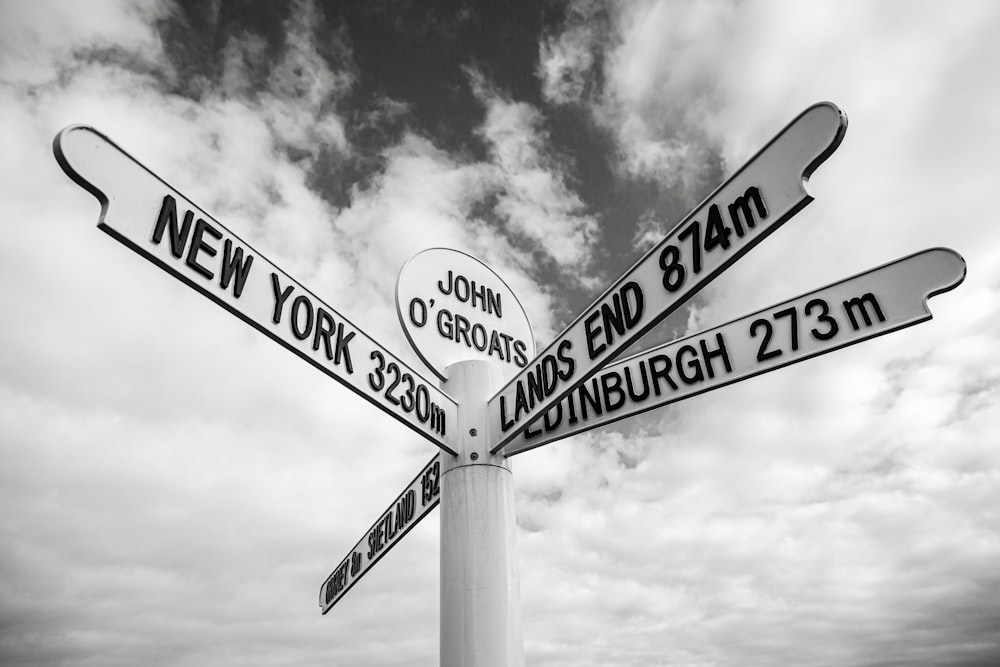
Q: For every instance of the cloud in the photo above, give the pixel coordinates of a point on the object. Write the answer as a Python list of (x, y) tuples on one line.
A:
[(568, 59), (646, 79), (39, 37), (175, 488), (533, 197)]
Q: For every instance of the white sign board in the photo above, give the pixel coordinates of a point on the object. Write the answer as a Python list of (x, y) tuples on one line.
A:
[(768, 190), (421, 496), (455, 308), (876, 302), (139, 209)]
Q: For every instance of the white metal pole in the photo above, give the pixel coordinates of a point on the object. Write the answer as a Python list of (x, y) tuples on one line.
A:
[(480, 587)]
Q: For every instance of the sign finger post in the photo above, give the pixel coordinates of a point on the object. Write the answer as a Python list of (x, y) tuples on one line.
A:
[(497, 397), (147, 215)]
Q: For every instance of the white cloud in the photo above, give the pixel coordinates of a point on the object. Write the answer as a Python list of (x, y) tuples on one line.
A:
[(38, 38), (567, 60), (533, 196), (175, 487), (655, 81)]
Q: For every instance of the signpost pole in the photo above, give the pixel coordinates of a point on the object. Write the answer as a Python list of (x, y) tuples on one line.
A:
[(480, 587)]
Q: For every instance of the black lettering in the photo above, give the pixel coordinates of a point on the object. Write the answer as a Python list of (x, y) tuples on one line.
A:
[(450, 282), (355, 564), (324, 327), (391, 523), (529, 433), (301, 300), (520, 401), (793, 320), (741, 208), (198, 244), (520, 350), (630, 385), (571, 408), (422, 403), (280, 296), (569, 363), (495, 346), (536, 388), (592, 398), (824, 316), (633, 307), (479, 336), (661, 372), (461, 288), (439, 423), (505, 422), (617, 317), (592, 333), (763, 354), (338, 580), (383, 531), (716, 231), (719, 351), (341, 351), (478, 291), (168, 218), (393, 369), (494, 304), (410, 503), (233, 265), (418, 312), (444, 324), (692, 364), (552, 422), (614, 317), (462, 329), (674, 272), (861, 304), (611, 388), (550, 373), (376, 379), (693, 231)]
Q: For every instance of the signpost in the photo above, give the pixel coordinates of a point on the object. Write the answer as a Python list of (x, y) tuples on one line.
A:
[(468, 327), (413, 504), (755, 201), (876, 302), (139, 209)]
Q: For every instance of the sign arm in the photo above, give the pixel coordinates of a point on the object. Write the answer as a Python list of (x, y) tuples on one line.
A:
[(882, 300), (143, 212), (415, 502)]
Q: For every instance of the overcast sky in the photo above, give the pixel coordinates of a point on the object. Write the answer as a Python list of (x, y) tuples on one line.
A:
[(175, 487)]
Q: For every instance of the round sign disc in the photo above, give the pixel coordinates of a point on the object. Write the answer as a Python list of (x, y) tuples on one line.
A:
[(454, 308)]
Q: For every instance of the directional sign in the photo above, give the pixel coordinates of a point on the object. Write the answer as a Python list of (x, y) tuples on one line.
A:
[(139, 209), (876, 302), (756, 200), (454, 308), (421, 496)]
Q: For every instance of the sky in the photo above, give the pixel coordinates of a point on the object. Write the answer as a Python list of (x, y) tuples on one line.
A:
[(175, 487)]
